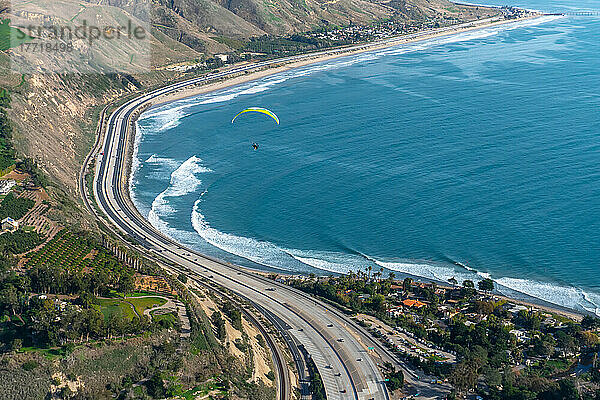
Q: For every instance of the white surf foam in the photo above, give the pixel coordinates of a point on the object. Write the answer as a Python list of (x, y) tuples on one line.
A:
[(169, 116), (340, 263), (168, 162), (184, 180), (163, 167), (565, 296), (261, 252), (269, 254)]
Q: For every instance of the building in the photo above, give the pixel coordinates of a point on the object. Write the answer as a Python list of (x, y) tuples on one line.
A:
[(222, 57), (520, 334), (394, 312), (413, 303), (9, 225), (515, 309), (6, 186)]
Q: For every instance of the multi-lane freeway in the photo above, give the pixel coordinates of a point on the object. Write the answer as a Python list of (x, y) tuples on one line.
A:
[(338, 347)]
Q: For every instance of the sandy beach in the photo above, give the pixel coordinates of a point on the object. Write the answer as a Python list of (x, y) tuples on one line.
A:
[(259, 73)]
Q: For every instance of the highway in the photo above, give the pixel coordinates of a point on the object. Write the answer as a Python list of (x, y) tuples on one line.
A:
[(336, 344)]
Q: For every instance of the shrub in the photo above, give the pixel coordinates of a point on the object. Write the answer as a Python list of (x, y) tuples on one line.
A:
[(30, 365)]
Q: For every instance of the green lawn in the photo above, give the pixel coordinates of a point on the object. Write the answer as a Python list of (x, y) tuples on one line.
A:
[(109, 307), (124, 307), (145, 303), (142, 293)]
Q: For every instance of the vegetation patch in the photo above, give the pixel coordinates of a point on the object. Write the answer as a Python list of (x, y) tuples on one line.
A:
[(142, 304), (15, 207)]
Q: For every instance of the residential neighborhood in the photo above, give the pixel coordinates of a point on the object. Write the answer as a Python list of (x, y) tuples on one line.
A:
[(466, 334)]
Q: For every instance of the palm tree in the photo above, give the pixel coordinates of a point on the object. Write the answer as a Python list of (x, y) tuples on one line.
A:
[(377, 275), (406, 284)]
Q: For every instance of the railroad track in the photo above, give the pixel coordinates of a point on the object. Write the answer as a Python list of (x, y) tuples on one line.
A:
[(284, 387)]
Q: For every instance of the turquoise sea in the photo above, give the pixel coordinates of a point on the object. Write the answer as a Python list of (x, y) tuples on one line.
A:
[(466, 156)]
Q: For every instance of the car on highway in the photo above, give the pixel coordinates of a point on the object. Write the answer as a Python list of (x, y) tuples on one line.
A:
[(341, 340), (330, 325)]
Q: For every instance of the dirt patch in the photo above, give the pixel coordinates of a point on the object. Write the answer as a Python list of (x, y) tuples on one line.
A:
[(262, 357)]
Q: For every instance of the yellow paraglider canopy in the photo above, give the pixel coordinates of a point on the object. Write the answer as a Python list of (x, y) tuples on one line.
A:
[(257, 110)]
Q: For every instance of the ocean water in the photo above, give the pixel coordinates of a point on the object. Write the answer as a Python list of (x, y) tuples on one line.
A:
[(467, 156)]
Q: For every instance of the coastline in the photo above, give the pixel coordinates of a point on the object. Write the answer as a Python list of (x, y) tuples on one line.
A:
[(534, 303), (318, 58), (284, 66)]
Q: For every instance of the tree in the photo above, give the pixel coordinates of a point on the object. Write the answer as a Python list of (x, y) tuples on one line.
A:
[(9, 298), (219, 325), (16, 344), (156, 386), (395, 380), (484, 307), (406, 284), (564, 341), (453, 281), (464, 376), (589, 339), (183, 278), (493, 378), (487, 285), (567, 390), (468, 284), (87, 299), (590, 322)]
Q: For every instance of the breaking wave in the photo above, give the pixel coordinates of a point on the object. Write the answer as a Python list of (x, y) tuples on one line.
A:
[(184, 180), (166, 117)]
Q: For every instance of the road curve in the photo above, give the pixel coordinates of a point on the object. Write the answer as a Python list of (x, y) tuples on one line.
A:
[(347, 370)]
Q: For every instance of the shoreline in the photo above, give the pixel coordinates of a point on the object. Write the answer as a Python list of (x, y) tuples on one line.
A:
[(262, 72), (534, 303), (339, 53)]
